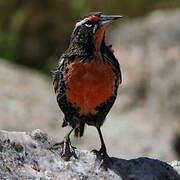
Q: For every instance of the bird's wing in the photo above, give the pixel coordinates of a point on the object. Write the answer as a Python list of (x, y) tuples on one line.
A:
[(109, 56), (56, 74)]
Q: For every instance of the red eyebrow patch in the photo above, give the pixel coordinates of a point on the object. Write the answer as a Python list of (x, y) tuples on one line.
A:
[(94, 19)]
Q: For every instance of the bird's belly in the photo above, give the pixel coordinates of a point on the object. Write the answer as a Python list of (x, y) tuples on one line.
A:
[(89, 84)]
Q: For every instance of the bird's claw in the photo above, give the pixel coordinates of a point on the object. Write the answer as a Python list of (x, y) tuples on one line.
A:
[(67, 150), (103, 158)]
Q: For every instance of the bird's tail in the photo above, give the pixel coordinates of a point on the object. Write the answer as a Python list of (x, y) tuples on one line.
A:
[(80, 130)]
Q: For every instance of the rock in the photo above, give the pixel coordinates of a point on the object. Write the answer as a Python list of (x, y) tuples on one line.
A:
[(29, 156)]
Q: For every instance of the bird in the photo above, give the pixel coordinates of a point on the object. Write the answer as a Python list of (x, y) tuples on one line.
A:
[(86, 80)]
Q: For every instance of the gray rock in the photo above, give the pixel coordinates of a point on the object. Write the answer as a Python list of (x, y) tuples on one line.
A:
[(29, 156)]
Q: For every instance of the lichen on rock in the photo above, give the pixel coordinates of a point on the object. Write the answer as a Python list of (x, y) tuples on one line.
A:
[(30, 156)]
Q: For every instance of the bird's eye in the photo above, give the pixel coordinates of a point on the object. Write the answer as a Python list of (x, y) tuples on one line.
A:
[(88, 24)]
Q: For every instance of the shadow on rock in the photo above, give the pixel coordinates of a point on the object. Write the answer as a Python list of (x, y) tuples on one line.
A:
[(143, 168)]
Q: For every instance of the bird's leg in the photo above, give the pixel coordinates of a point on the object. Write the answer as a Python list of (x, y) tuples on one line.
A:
[(102, 153), (67, 149), (103, 146)]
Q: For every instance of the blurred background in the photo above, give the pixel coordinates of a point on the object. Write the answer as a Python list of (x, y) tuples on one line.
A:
[(145, 120)]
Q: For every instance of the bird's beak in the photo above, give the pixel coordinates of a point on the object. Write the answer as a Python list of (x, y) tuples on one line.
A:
[(105, 19)]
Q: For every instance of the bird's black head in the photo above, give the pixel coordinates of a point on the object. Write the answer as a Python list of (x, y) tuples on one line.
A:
[(91, 28)]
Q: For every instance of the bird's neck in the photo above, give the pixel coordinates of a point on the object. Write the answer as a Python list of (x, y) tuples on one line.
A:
[(88, 47), (80, 49)]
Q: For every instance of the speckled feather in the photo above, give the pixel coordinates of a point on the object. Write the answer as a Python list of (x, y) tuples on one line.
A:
[(83, 51)]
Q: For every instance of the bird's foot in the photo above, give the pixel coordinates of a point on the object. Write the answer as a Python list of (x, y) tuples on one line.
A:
[(104, 159), (67, 150)]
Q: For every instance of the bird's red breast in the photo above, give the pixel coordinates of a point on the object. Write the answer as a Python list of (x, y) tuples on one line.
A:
[(89, 84)]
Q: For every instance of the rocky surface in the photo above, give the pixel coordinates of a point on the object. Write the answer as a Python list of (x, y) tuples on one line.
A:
[(29, 156)]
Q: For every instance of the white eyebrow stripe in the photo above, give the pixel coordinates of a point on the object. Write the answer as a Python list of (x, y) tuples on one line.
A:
[(81, 22)]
